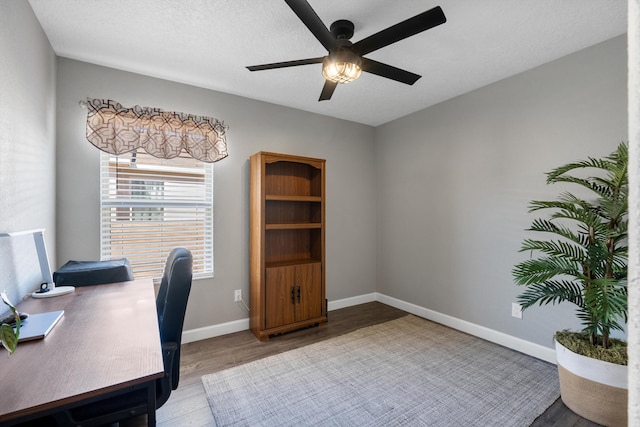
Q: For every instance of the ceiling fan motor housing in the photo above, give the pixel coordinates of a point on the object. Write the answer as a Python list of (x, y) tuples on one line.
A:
[(342, 29)]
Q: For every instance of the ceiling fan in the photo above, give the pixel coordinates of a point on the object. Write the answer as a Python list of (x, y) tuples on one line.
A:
[(345, 61)]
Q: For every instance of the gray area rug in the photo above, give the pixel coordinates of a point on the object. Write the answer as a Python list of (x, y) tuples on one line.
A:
[(405, 372)]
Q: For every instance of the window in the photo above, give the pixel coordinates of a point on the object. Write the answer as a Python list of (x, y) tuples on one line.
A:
[(149, 206)]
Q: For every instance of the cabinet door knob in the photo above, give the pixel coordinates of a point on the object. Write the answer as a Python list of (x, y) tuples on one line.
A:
[(293, 295), (298, 294)]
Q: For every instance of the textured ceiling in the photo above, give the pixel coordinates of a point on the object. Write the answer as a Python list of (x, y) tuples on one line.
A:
[(208, 43)]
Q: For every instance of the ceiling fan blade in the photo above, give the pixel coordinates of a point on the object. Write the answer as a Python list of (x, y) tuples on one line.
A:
[(388, 71), (285, 64), (327, 90), (313, 22), (402, 30)]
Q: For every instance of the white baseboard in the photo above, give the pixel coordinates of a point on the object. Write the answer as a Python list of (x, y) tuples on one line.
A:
[(203, 333), (349, 302), (509, 341), (215, 330), (538, 351)]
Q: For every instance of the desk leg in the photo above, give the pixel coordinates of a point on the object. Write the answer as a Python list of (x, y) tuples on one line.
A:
[(151, 404)]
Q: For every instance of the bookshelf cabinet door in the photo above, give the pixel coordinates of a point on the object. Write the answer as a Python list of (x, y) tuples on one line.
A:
[(279, 297), (307, 279)]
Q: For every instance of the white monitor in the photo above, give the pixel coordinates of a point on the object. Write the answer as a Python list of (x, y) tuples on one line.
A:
[(47, 288)]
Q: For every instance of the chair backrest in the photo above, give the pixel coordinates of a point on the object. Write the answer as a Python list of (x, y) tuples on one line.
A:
[(171, 303)]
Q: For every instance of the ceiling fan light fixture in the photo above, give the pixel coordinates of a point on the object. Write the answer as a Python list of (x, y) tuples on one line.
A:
[(342, 66)]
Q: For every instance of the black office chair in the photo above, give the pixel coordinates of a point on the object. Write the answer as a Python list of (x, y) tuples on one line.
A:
[(171, 303)]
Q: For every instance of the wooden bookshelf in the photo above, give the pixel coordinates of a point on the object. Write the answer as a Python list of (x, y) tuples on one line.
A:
[(287, 236)]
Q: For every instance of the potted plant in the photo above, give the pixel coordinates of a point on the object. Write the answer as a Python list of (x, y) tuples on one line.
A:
[(9, 337), (584, 261)]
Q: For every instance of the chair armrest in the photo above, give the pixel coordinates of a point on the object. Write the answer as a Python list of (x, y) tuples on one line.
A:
[(166, 383), (168, 354)]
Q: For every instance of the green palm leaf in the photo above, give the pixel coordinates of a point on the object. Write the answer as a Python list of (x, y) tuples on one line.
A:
[(551, 292), (539, 270)]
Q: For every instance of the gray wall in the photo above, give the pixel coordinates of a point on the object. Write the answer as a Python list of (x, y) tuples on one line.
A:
[(27, 144), (455, 180), (254, 126)]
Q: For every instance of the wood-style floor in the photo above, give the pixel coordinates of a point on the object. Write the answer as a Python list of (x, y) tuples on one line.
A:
[(188, 405)]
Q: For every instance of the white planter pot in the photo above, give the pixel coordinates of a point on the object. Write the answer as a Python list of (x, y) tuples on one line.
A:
[(593, 389)]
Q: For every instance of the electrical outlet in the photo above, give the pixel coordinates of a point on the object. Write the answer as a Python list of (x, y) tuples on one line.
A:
[(237, 295), (516, 310)]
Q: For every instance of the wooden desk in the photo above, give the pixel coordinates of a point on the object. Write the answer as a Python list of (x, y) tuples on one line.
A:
[(107, 341)]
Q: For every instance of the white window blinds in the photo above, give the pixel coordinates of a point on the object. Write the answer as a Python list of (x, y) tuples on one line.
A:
[(150, 206)]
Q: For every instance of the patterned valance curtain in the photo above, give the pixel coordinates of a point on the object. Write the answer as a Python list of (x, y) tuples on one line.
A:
[(164, 134)]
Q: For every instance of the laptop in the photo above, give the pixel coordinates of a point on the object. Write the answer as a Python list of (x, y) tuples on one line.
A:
[(38, 326)]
